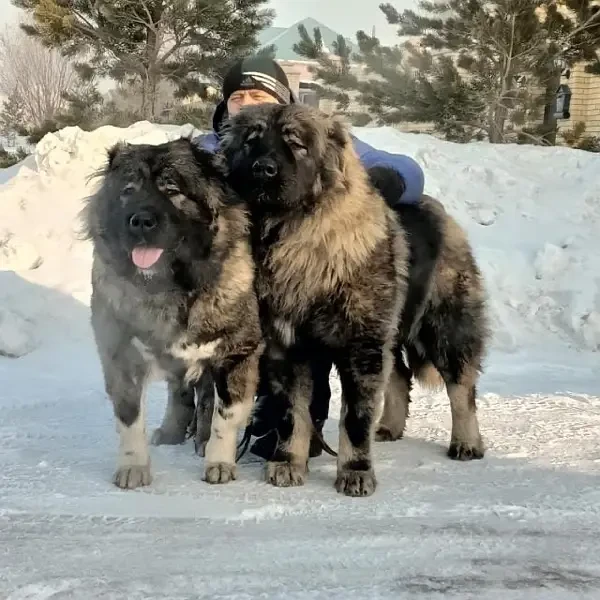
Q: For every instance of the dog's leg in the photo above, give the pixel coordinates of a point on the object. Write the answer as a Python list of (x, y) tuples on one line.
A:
[(455, 363), (126, 380), (292, 387), (126, 372), (466, 442), (178, 415), (133, 463), (364, 374), (205, 403), (396, 404), (236, 382)]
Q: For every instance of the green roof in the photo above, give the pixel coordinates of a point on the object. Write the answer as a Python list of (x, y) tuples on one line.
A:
[(284, 38), (268, 34)]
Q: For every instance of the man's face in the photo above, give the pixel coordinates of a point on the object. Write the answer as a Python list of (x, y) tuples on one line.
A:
[(242, 98)]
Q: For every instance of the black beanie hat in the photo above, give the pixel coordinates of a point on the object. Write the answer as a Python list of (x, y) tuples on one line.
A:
[(258, 73)]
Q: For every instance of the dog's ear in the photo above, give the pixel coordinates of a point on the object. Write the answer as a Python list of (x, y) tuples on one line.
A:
[(338, 144), (337, 132), (114, 152)]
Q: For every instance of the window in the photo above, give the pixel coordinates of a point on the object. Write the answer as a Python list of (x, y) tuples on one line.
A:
[(310, 97)]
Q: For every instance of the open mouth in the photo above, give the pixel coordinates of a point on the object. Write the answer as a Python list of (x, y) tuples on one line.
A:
[(144, 257)]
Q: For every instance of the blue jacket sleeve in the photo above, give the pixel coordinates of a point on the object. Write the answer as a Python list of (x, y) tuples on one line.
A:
[(208, 142), (409, 169)]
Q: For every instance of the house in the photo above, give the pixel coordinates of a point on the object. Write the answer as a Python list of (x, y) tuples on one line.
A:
[(296, 67), (585, 101)]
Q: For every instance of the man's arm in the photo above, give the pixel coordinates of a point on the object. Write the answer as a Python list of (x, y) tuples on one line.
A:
[(407, 168), (207, 141)]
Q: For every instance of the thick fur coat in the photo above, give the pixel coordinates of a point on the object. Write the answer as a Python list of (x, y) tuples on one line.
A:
[(443, 332), (173, 296), (331, 277)]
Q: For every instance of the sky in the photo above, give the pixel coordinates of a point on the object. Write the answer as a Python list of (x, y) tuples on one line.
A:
[(344, 16)]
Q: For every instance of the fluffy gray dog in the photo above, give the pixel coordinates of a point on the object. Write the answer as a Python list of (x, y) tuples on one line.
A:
[(173, 295)]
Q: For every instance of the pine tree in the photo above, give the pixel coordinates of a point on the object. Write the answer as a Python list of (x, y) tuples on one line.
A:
[(147, 41), (12, 117), (470, 67), (336, 80), (492, 44)]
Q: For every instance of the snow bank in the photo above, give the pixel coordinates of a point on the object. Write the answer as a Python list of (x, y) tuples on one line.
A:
[(531, 213), (44, 266), (16, 338)]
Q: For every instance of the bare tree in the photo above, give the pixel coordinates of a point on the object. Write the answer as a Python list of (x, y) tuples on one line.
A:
[(144, 42), (35, 75)]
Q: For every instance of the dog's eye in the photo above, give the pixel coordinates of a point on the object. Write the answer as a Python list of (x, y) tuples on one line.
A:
[(170, 188), (250, 140), (297, 146), (128, 190)]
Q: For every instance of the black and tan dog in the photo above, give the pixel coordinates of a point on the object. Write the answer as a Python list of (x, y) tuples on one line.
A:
[(173, 292), (331, 278), (444, 330)]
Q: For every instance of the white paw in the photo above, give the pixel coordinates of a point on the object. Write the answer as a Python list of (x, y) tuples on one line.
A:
[(129, 477), (285, 474), (219, 473)]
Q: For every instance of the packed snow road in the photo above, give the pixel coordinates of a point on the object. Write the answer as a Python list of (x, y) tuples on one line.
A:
[(522, 523)]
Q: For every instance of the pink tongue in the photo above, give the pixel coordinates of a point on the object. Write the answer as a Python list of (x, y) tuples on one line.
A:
[(144, 258)]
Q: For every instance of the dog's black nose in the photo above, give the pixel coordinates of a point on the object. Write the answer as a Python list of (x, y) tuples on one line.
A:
[(142, 222), (265, 167)]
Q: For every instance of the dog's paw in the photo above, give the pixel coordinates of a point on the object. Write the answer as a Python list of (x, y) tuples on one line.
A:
[(166, 437), (219, 473), (285, 474), (129, 477), (384, 434), (356, 483), (466, 451)]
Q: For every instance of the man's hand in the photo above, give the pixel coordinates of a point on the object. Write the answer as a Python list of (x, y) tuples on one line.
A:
[(388, 182)]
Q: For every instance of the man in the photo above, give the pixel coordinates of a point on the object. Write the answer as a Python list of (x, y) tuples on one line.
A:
[(260, 80)]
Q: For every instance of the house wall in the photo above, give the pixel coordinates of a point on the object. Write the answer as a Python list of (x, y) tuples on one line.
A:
[(296, 72), (585, 101)]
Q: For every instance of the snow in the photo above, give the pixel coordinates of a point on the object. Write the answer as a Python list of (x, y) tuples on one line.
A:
[(522, 523)]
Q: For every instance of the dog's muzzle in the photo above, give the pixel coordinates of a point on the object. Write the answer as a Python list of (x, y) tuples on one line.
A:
[(264, 168)]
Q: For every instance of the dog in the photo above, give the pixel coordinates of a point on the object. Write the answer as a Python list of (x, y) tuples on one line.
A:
[(444, 329), (331, 277), (173, 296)]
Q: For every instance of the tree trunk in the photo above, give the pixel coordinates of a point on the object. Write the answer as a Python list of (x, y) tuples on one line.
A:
[(550, 125), (497, 124), (152, 74), (150, 84), (499, 113)]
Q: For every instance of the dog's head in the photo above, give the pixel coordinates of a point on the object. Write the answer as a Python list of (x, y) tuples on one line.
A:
[(156, 211), (284, 158)]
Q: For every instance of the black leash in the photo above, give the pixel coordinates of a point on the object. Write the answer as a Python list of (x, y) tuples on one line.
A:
[(324, 444), (244, 444), (246, 439)]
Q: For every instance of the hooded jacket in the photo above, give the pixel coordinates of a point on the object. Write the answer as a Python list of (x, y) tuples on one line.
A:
[(407, 168)]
